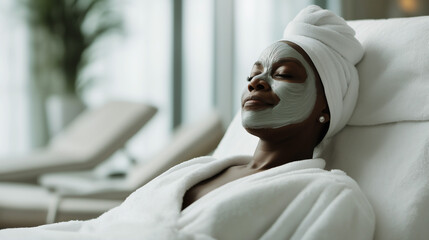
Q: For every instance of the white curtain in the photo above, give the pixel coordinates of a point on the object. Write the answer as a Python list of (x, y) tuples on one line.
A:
[(15, 118), (198, 40), (135, 65)]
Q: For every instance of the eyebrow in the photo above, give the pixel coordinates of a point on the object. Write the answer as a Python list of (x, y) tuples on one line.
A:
[(282, 60), (288, 59)]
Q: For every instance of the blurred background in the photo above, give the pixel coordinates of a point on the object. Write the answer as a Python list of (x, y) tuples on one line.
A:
[(186, 57)]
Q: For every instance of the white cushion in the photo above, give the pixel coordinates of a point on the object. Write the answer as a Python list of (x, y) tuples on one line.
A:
[(394, 72)]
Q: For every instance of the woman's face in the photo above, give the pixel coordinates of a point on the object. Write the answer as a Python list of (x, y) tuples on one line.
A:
[(281, 90)]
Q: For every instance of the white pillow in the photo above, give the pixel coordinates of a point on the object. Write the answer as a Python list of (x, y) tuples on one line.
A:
[(394, 72)]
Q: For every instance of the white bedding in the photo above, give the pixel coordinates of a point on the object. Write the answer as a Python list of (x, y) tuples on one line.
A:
[(298, 200)]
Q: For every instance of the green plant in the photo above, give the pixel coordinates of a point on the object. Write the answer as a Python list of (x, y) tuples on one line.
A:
[(64, 22)]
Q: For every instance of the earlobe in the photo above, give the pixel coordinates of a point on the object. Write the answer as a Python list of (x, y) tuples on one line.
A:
[(324, 116)]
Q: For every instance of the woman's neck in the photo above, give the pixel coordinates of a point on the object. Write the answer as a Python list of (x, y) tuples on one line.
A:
[(269, 154)]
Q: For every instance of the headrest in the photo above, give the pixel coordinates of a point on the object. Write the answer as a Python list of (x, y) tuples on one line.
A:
[(394, 73)]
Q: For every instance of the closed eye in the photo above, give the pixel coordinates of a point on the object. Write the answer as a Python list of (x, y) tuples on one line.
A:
[(284, 76)]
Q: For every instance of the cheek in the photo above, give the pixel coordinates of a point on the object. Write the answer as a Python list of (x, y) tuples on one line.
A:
[(289, 91)]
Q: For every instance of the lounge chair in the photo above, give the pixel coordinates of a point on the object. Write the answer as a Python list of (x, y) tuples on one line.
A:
[(385, 147), (90, 139)]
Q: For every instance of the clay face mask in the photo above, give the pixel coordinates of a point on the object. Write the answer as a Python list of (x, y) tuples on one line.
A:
[(297, 99)]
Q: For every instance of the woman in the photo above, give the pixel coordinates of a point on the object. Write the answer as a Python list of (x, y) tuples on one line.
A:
[(285, 106), (301, 90)]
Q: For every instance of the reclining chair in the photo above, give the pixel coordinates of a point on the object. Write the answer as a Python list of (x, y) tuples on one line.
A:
[(83, 195), (385, 147), (90, 139)]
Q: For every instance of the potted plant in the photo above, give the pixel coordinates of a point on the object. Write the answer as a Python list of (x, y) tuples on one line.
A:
[(63, 31)]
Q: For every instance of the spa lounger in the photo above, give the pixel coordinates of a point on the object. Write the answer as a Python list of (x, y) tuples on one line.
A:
[(90, 139), (385, 146)]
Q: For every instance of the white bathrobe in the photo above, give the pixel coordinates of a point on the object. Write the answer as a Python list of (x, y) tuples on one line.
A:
[(298, 200)]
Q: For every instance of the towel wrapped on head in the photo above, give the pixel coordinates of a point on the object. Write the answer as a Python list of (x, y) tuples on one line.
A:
[(331, 45)]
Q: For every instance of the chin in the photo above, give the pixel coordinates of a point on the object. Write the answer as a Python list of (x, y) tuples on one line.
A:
[(257, 119), (248, 124)]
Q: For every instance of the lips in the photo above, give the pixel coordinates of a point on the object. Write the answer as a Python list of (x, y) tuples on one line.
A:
[(255, 102)]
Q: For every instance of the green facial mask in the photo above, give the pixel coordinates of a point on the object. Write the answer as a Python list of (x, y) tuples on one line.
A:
[(297, 100)]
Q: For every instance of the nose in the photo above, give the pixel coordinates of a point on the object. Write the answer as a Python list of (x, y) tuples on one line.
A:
[(258, 85)]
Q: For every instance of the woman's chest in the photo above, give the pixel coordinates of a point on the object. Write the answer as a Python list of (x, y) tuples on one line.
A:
[(204, 187)]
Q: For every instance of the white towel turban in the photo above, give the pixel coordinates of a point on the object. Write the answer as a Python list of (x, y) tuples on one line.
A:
[(331, 45)]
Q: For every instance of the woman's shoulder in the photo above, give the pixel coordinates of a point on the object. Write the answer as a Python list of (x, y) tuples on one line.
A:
[(336, 177), (339, 179), (329, 178)]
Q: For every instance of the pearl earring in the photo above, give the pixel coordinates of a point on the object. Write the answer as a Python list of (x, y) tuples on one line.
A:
[(322, 119)]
